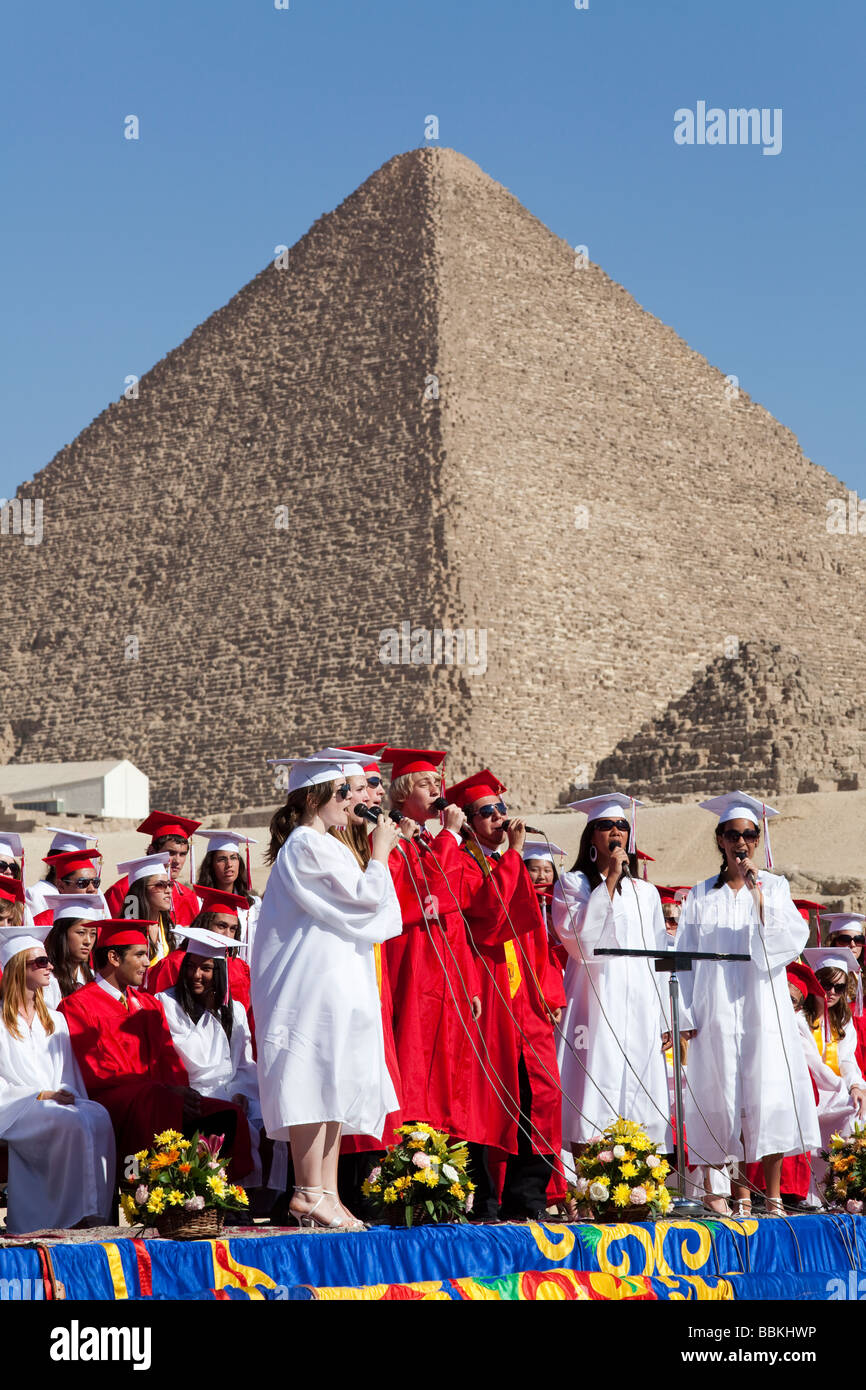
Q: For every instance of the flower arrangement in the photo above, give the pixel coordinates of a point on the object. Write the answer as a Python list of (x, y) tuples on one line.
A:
[(422, 1178), (179, 1176), (845, 1179), (621, 1176)]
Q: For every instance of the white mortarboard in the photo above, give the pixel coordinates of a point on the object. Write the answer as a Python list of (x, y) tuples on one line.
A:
[(65, 841), (610, 806), (837, 958), (208, 944), (740, 806), (11, 845), (320, 767), (15, 939), (150, 866), (229, 840), (838, 921), (542, 849), (85, 907)]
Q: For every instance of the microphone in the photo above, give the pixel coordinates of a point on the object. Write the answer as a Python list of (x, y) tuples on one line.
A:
[(751, 881), (530, 829), (367, 813), (440, 804), (395, 816)]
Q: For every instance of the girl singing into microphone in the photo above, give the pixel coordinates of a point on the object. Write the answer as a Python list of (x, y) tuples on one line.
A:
[(749, 1096)]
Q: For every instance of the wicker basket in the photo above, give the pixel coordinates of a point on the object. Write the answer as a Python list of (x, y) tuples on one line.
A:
[(178, 1224)]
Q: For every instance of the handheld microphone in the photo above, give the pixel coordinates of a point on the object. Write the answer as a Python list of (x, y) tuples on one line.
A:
[(751, 881), (367, 813), (395, 816), (530, 829), (440, 804)]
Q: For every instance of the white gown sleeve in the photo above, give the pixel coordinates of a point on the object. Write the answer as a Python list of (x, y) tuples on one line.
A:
[(846, 1048), (785, 932), (582, 918), (331, 888), (245, 1079)]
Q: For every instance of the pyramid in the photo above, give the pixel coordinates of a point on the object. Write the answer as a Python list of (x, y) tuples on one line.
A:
[(435, 418)]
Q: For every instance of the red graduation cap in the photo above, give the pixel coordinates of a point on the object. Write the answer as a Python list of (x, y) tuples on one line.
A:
[(803, 906), (161, 823), (123, 931), (72, 859), (480, 785), (804, 979), (405, 760), (11, 889), (368, 748), (215, 900)]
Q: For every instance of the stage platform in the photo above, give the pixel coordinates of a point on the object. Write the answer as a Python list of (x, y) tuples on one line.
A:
[(801, 1258)]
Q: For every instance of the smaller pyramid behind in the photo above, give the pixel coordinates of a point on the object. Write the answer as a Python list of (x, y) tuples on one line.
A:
[(763, 720)]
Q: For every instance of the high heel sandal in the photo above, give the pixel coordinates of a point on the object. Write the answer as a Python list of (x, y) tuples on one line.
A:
[(741, 1208), (352, 1223), (308, 1220), (775, 1206)]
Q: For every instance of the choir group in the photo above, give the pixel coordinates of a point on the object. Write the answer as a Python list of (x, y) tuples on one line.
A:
[(390, 974)]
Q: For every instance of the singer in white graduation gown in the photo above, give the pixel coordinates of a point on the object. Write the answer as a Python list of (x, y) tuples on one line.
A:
[(615, 1011), (316, 1003), (61, 1157), (747, 1073)]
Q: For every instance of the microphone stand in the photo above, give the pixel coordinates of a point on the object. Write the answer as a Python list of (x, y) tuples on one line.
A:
[(668, 962)]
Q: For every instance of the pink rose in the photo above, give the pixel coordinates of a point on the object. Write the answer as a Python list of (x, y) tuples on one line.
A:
[(375, 1173), (855, 1208), (141, 1194), (637, 1196), (606, 1156), (470, 1201), (194, 1203), (421, 1160)]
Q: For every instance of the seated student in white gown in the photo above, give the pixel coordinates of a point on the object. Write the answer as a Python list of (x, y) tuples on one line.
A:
[(211, 1036), (61, 1145), (70, 942), (225, 869)]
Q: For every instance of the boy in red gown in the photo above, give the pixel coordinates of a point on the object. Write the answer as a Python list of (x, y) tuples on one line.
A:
[(169, 833)]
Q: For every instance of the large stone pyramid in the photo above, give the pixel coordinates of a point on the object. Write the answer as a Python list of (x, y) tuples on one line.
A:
[(435, 415)]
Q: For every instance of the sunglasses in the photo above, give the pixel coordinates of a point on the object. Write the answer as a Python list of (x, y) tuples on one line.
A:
[(374, 781), (487, 811), (849, 940), (162, 883), (7, 868), (344, 792), (82, 883), (734, 836), (835, 989), (39, 963), (612, 824)]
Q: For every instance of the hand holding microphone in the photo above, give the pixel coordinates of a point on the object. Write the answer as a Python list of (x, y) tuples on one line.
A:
[(747, 869)]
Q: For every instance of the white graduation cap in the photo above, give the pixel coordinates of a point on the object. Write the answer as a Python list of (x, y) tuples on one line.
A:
[(229, 840), (740, 806), (208, 944), (328, 765), (15, 939), (542, 849), (147, 867), (65, 841), (839, 921), (83, 907), (11, 845), (611, 806)]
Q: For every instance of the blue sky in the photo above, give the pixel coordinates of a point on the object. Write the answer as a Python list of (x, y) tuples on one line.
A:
[(254, 121)]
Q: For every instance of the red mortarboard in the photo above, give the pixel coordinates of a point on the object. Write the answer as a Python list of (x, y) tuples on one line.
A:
[(214, 900), (161, 823), (640, 854), (483, 784), (123, 931), (72, 859), (804, 904), (11, 889), (374, 748), (805, 979), (405, 760)]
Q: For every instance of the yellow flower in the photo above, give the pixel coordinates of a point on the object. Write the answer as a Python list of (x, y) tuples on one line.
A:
[(420, 1176), (129, 1207), (141, 1155), (663, 1198), (402, 1183), (621, 1194), (156, 1202), (240, 1196), (661, 1170), (217, 1186), (168, 1136), (628, 1170), (183, 1144), (389, 1194), (457, 1191), (641, 1143), (431, 1177), (650, 1188), (175, 1198), (470, 1186)]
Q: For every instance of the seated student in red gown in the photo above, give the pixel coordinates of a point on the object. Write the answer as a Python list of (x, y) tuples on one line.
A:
[(75, 871), (522, 997), (128, 1062), (433, 974), (170, 833)]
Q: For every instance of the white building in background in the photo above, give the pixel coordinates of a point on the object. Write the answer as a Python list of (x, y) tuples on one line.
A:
[(113, 787)]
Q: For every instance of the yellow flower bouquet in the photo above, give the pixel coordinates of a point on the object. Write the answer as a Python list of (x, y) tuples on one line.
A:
[(421, 1179), (845, 1178), (180, 1186), (621, 1176)]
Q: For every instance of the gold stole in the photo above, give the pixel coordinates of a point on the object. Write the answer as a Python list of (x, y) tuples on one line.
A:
[(508, 947)]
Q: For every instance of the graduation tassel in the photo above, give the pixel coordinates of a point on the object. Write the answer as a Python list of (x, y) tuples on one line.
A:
[(632, 830), (249, 870), (768, 851)]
